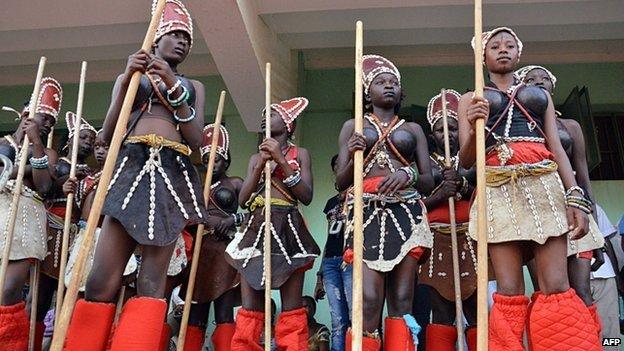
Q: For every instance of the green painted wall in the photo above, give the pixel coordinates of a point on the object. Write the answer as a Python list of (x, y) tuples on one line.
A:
[(330, 95)]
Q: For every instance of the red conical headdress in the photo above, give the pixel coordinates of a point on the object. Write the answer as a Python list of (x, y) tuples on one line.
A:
[(223, 144), (374, 65), (50, 98), (434, 109), (289, 110), (175, 17)]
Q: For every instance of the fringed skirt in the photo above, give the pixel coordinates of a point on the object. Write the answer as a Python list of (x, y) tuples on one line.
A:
[(525, 207), (29, 234), (130, 270), (437, 272), (56, 222), (292, 246), (214, 271), (155, 192), (393, 226)]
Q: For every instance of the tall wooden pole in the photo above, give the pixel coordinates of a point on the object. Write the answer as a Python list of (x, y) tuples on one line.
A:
[(482, 254), (50, 142), (459, 320), (190, 288), (35, 271), (267, 214), (358, 205), (62, 323), (60, 288), (19, 180)]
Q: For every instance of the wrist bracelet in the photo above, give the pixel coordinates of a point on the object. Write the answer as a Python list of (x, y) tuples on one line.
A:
[(180, 99), (174, 87), (573, 189), (187, 119), (238, 218), (39, 163), (292, 180)]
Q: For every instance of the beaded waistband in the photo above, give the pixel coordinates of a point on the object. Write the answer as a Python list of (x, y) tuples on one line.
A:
[(158, 141), (499, 175)]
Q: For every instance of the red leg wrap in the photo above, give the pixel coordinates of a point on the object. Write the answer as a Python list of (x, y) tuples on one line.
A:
[(440, 337), (194, 338), (140, 325), (368, 343), (562, 322), (291, 331), (222, 336), (165, 335), (249, 325), (507, 321), (397, 336), (14, 327), (90, 326), (471, 338)]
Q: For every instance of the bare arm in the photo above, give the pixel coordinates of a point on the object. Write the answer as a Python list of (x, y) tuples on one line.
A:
[(579, 159), (469, 110), (425, 180), (304, 189), (577, 220), (250, 184), (344, 175), (117, 97), (192, 131)]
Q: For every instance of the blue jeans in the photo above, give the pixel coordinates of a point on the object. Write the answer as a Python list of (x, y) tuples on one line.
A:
[(338, 286)]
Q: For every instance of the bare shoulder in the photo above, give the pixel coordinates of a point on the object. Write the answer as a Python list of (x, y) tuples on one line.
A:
[(571, 125)]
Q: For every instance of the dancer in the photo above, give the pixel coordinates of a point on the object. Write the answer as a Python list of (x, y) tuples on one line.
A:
[(437, 272), (396, 232), (293, 248), (154, 193), (29, 236), (580, 252), (84, 191), (528, 210), (219, 281)]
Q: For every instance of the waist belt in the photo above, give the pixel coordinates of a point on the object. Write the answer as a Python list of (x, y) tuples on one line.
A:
[(158, 141), (500, 175)]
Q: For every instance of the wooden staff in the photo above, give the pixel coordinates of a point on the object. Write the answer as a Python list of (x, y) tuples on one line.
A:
[(70, 197), (358, 206), (19, 180), (459, 321), (482, 254), (50, 141), (188, 298), (62, 323), (267, 214), (120, 302), (34, 298)]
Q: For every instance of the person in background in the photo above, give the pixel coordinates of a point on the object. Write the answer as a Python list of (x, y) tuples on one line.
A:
[(318, 334), (604, 287), (332, 276)]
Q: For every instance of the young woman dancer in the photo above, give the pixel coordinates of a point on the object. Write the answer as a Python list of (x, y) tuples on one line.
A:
[(293, 249), (154, 194), (219, 281), (580, 252), (29, 236), (533, 203), (396, 232), (437, 272)]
